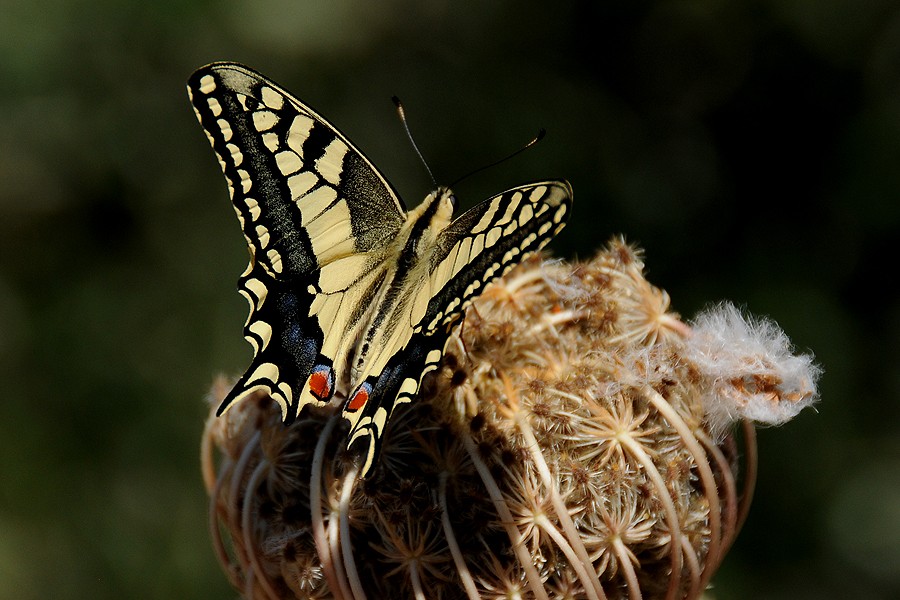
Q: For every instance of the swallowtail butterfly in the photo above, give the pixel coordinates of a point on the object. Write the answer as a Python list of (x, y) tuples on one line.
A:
[(350, 295)]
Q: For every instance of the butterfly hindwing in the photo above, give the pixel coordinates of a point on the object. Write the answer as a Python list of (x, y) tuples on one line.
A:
[(397, 384), (284, 339)]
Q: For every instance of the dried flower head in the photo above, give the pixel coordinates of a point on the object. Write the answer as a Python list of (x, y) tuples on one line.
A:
[(575, 444)]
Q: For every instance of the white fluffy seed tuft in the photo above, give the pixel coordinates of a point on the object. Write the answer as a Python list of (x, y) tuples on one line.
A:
[(749, 369)]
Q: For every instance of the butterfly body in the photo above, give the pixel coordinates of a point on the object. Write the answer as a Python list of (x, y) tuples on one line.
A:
[(395, 282), (350, 296)]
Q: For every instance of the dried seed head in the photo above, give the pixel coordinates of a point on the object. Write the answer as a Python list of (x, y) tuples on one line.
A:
[(576, 444)]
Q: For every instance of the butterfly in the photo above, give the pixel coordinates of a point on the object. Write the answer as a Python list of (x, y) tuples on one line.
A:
[(351, 296)]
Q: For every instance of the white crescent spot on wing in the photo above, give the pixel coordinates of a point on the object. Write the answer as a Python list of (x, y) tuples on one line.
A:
[(237, 156), (433, 356), (265, 371), (258, 288), (286, 391), (207, 84), (214, 106), (510, 255), (477, 245), (271, 98), (379, 419), (288, 162), (492, 236), (225, 128), (264, 120), (330, 164), (488, 217), (299, 132), (275, 260), (472, 287), (252, 208), (407, 390), (525, 214), (270, 141), (301, 183), (246, 183), (560, 212), (242, 100), (537, 193), (510, 208), (263, 330), (462, 256), (262, 235)]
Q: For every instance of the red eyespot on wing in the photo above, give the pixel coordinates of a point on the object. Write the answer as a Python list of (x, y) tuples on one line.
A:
[(320, 383), (360, 398)]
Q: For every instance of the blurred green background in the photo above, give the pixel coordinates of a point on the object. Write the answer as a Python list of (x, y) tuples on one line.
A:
[(751, 147)]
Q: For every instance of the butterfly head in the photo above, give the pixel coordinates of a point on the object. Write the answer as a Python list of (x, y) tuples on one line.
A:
[(446, 203), (436, 211)]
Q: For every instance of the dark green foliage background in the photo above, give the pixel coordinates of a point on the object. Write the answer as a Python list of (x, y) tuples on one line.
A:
[(751, 147)]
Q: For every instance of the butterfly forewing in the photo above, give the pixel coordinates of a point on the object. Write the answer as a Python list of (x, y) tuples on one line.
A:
[(290, 173), (334, 254)]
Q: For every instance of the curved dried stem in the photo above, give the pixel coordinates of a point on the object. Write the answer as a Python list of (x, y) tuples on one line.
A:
[(670, 513), (333, 570), (231, 569), (751, 464), (464, 575), (592, 586), (249, 530), (506, 518), (706, 475), (346, 544), (729, 510)]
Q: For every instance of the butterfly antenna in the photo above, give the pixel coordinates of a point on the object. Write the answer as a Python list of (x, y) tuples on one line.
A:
[(402, 114), (541, 133)]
